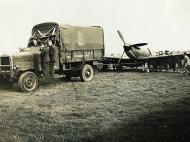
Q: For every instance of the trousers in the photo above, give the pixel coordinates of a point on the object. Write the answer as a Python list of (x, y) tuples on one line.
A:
[(51, 69), (45, 69)]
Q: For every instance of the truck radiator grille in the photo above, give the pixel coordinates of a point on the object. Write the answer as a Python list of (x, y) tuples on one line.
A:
[(5, 64), (5, 61)]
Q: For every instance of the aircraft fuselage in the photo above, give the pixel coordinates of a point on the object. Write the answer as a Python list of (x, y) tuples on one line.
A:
[(137, 53)]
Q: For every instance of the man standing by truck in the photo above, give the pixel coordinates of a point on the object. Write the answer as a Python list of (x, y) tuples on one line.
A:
[(45, 61), (34, 42), (186, 63), (52, 54)]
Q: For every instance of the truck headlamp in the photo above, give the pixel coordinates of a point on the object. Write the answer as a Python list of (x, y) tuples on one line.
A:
[(16, 67), (64, 67)]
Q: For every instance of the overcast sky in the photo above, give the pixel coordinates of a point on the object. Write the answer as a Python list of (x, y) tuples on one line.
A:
[(164, 24)]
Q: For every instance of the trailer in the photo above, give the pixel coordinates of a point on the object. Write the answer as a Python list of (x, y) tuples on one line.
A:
[(118, 63)]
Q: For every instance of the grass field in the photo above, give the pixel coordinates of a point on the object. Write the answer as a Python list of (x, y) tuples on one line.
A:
[(113, 107)]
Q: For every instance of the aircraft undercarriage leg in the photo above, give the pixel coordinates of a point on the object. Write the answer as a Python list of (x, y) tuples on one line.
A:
[(146, 67)]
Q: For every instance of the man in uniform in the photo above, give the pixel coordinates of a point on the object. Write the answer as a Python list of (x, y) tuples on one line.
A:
[(32, 43), (186, 63), (52, 55), (45, 61), (35, 43)]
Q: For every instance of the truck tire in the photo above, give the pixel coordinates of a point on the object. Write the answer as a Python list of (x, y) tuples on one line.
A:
[(87, 73), (28, 81)]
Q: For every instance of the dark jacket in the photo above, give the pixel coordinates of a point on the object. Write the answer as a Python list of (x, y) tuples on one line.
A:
[(52, 53), (45, 54)]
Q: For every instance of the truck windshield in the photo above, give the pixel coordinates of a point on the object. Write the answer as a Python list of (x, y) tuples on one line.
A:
[(41, 35), (43, 32)]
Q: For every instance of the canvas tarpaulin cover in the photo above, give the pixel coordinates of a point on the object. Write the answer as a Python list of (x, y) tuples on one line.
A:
[(71, 37), (81, 38)]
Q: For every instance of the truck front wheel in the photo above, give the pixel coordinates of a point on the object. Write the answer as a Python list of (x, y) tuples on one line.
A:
[(28, 81), (87, 73)]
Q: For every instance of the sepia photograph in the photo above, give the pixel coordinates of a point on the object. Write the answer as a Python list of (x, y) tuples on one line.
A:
[(95, 71)]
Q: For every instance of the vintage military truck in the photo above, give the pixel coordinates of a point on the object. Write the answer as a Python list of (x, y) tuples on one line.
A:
[(79, 52)]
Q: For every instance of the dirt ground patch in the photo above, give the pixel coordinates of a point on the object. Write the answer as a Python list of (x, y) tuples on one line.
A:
[(113, 107)]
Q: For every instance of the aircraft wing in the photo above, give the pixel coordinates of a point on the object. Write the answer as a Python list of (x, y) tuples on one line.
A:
[(152, 60), (162, 59)]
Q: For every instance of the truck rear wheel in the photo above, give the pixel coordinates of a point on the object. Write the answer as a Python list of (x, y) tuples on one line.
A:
[(28, 81), (87, 73)]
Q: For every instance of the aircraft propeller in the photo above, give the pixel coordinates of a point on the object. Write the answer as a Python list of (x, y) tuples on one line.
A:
[(127, 46), (122, 38)]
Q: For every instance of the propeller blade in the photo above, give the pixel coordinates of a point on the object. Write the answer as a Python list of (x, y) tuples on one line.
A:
[(139, 44), (121, 36)]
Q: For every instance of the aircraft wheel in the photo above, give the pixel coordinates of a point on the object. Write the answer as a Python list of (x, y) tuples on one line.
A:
[(28, 81), (119, 68), (105, 68), (87, 73), (146, 68)]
